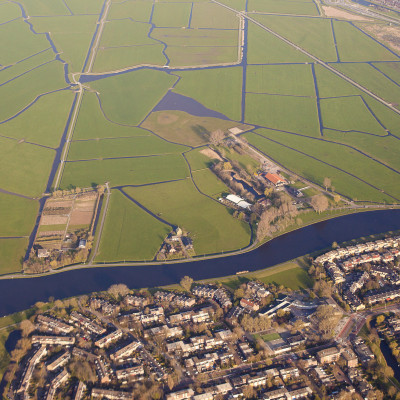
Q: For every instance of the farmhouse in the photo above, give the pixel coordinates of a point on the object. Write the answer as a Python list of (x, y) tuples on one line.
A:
[(275, 179)]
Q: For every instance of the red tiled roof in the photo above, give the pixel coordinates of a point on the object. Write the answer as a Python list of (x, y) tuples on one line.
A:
[(274, 178)]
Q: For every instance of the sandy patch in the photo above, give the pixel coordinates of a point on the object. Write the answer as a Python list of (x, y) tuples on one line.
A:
[(81, 218), (166, 118), (337, 13), (54, 220), (211, 154), (50, 233), (390, 35), (58, 204)]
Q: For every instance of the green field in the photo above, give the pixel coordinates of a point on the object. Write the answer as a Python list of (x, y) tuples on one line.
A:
[(71, 35), (283, 7), (263, 47), (210, 224), (129, 232), (208, 183), (44, 122), (139, 10), (11, 252), (8, 12), (210, 15), (315, 170), (311, 34), (128, 98), (353, 45), (171, 15), (392, 70), (280, 79), (217, 89), (24, 168), (125, 171), (349, 114), (198, 160), (288, 113), (45, 7), (19, 93), (84, 7), (121, 147), (17, 215), (18, 42), (373, 80)]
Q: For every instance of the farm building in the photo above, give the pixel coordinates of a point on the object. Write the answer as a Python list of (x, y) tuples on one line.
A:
[(238, 201), (275, 179)]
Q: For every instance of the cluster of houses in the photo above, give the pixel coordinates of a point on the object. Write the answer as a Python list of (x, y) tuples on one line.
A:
[(176, 244), (352, 267)]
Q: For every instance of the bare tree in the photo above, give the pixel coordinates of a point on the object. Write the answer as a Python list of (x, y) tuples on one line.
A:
[(327, 183), (118, 290), (319, 203), (216, 137), (26, 327), (186, 283)]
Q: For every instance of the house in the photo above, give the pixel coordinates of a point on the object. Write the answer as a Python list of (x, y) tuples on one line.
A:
[(111, 394), (275, 179), (180, 394), (43, 253), (249, 305), (53, 340), (328, 355), (82, 244), (349, 357), (60, 361), (108, 339)]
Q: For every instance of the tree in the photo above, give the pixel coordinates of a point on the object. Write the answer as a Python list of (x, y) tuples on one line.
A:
[(327, 318), (239, 293), (327, 183), (336, 198), (249, 392), (227, 165), (186, 283), (380, 319), (26, 327), (268, 191), (319, 203), (216, 137), (118, 290)]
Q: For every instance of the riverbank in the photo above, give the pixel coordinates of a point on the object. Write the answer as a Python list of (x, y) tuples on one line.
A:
[(308, 219)]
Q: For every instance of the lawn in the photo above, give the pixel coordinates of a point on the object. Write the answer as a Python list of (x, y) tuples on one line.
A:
[(121, 147), (297, 279), (128, 98), (18, 42), (354, 45), (137, 10), (201, 55), (92, 124), (315, 170), (283, 7), (349, 114), (71, 35), (344, 158), (125, 171), (210, 224), (44, 122), (373, 80), (171, 15), (129, 232), (210, 15), (311, 34), (294, 114), (24, 168), (17, 215), (263, 47), (217, 89), (116, 58), (269, 337), (244, 160), (11, 252), (180, 127), (19, 93), (208, 183), (280, 79)]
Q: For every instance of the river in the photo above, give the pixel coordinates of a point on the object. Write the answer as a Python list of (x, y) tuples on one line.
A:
[(19, 294)]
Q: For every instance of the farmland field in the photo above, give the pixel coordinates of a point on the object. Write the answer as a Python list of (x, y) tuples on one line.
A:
[(130, 93)]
